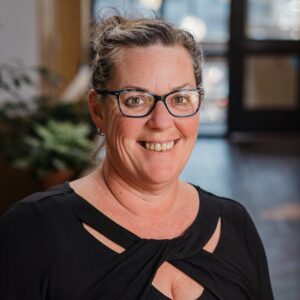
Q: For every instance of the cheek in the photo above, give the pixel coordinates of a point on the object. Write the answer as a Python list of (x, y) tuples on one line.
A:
[(190, 126), (120, 130)]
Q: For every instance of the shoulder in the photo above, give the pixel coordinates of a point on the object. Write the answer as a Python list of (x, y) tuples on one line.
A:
[(29, 231), (43, 198), (231, 211), (28, 245), (29, 215), (237, 218), (228, 205)]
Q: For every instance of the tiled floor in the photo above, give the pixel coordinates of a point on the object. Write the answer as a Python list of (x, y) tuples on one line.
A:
[(265, 178)]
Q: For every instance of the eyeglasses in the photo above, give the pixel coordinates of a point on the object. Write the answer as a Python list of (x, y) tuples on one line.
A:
[(138, 103)]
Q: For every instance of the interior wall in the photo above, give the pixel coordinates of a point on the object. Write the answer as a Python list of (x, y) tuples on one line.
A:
[(18, 31), (19, 35)]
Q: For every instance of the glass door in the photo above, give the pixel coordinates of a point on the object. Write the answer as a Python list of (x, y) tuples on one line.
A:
[(264, 59), (208, 21)]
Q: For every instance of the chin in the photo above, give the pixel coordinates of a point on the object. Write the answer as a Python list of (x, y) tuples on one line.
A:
[(161, 174)]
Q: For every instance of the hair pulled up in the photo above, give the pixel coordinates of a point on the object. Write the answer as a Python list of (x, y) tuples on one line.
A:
[(113, 33)]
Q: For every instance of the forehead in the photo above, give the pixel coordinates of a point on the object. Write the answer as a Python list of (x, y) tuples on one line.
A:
[(153, 67)]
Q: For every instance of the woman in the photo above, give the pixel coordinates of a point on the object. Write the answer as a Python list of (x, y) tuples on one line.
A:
[(132, 229)]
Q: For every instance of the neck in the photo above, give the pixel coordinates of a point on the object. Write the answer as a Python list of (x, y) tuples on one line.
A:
[(149, 201)]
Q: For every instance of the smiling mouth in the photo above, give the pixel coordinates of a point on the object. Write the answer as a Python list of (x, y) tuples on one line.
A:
[(159, 146)]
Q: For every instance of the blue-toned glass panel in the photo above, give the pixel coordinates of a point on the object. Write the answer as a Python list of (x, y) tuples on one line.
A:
[(273, 19), (129, 7), (207, 19), (215, 83)]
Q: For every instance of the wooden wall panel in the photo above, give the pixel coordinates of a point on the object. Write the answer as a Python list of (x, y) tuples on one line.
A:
[(61, 36)]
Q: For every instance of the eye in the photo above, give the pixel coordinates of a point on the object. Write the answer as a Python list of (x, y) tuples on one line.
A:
[(134, 101), (181, 99)]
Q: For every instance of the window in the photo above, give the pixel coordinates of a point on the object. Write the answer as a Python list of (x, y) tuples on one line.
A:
[(273, 19)]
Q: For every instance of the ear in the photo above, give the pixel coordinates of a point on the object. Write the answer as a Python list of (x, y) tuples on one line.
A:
[(96, 109)]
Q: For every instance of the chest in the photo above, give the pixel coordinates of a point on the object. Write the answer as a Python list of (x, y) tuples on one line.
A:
[(89, 258), (175, 284), (168, 280)]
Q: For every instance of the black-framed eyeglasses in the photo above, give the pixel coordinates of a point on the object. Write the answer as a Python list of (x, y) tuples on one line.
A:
[(138, 103)]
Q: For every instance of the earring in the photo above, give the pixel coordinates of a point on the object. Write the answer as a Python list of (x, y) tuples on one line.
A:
[(99, 132)]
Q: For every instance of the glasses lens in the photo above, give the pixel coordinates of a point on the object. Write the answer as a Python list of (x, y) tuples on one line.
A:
[(135, 103), (184, 102)]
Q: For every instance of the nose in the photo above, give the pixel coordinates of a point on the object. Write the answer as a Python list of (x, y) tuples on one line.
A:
[(160, 118)]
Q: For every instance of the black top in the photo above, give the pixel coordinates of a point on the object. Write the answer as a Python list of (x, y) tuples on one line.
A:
[(45, 252)]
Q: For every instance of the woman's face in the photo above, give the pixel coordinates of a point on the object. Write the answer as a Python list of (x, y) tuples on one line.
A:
[(159, 70)]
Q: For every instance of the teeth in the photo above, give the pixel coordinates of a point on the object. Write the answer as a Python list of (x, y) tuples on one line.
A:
[(159, 147)]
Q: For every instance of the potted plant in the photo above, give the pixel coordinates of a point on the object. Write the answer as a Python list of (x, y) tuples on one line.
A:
[(48, 136), (56, 151)]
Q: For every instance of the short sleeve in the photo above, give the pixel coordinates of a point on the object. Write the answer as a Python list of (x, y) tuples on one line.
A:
[(259, 258), (22, 254)]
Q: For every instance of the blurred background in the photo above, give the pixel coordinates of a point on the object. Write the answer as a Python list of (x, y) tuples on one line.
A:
[(249, 142)]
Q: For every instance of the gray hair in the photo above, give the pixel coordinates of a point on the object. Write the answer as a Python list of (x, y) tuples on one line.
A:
[(115, 32)]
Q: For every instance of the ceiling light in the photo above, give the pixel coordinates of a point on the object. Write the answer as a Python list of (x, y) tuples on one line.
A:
[(195, 26), (152, 4)]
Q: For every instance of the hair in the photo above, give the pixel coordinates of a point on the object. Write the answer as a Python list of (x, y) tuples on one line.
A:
[(114, 33)]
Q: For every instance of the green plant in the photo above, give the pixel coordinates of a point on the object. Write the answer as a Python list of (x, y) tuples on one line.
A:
[(39, 131), (57, 145)]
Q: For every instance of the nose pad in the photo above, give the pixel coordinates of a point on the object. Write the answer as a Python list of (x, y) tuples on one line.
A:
[(160, 105), (160, 117)]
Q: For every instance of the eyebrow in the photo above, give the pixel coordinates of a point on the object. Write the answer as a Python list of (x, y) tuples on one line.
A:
[(135, 87)]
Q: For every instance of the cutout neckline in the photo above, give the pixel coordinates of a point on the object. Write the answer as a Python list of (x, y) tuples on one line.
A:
[(205, 221), (189, 243)]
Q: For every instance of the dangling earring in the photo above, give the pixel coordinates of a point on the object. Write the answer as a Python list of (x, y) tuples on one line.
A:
[(99, 132)]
